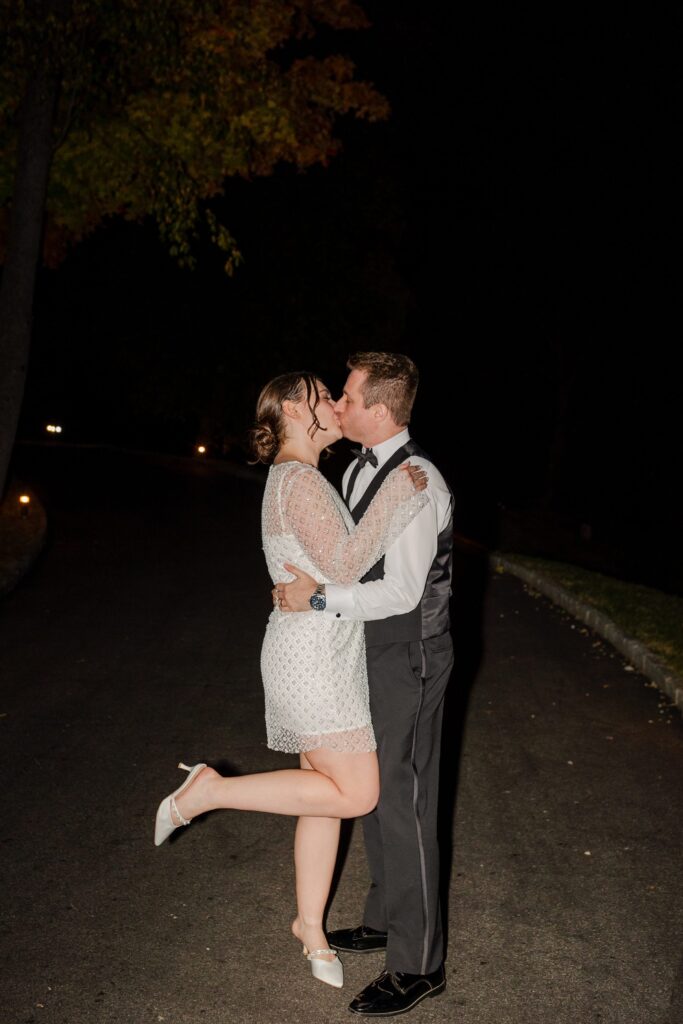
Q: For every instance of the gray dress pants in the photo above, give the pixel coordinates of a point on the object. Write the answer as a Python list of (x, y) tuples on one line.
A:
[(407, 685)]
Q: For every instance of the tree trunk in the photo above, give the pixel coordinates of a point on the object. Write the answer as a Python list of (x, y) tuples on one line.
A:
[(34, 156)]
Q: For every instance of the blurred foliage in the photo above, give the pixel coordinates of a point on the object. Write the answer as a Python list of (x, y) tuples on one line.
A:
[(184, 356), (161, 102), (21, 535)]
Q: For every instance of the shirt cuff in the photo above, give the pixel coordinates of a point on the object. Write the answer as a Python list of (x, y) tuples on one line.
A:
[(339, 601)]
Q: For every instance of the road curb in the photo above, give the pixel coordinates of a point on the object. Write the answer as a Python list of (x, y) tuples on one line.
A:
[(633, 650)]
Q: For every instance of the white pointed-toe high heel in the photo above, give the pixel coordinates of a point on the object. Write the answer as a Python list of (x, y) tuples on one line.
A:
[(329, 971), (165, 824)]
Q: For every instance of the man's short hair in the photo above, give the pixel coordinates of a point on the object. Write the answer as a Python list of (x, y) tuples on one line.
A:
[(391, 379)]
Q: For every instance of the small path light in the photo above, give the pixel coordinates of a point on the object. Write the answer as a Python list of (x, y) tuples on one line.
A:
[(25, 503), (201, 449), (53, 428)]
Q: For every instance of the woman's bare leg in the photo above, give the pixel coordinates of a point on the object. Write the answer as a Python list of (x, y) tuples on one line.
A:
[(337, 786), (315, 854), (329, 786)]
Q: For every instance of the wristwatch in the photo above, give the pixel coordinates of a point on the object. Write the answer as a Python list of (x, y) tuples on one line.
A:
[(318, 599)]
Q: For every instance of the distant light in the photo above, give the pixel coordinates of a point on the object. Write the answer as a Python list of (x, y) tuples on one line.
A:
[(58, 430), (24, 499), (201, 449), (53, 428)]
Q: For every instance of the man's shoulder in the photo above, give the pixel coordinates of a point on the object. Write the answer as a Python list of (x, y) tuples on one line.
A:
[(436, 477)]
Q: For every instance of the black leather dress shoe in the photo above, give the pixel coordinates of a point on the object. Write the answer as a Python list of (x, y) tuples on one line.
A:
[(396, 992), (357, 940)]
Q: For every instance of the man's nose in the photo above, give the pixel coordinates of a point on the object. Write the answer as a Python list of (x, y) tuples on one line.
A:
[(339, 405)]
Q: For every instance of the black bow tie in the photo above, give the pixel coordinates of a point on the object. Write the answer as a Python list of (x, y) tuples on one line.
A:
[(365, 456)]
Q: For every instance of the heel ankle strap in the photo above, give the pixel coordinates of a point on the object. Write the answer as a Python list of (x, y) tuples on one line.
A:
[(320, 952), (174, 809)]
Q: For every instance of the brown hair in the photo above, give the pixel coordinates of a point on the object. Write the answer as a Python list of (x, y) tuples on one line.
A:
[(268, 434), (391, 379)]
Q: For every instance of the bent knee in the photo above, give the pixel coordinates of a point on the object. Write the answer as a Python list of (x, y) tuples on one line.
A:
[(368, 805), (363, 802)]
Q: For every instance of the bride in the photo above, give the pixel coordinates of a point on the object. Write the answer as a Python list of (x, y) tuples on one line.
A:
[(313, 664)]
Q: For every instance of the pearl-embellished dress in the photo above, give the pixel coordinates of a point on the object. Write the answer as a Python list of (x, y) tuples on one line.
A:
[(313, 664)]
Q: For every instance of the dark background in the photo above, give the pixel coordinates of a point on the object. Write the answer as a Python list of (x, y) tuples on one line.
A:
[(514, 227)]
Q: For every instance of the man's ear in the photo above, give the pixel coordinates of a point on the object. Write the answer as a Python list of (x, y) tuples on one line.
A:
[(380, 412)]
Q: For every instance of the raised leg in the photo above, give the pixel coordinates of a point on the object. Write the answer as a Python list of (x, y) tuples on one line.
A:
[(335, 786)]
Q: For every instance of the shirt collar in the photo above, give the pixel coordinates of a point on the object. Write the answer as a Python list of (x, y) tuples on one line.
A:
[(386, 449)]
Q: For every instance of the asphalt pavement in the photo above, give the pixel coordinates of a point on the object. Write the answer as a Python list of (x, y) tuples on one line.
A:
[(134, 643)]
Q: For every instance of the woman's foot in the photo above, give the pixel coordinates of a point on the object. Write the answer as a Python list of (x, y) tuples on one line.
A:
[(325, 964), (310, 936), (190, 799), (195, 799)]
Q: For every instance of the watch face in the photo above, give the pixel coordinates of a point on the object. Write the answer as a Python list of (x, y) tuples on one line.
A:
[(318, 602)]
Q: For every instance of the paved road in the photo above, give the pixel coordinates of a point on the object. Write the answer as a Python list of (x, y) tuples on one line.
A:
[(135, 643)]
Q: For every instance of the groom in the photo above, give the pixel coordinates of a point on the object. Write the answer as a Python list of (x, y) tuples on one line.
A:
[(403, 601)]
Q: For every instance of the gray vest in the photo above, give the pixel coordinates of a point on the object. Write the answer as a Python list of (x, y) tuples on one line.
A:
[(431, 616)]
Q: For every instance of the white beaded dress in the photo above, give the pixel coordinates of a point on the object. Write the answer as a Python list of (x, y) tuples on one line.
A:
[(313, 664)]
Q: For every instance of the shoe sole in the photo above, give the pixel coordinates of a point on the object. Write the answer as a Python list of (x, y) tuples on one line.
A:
[(395, 1013), (348, 949)]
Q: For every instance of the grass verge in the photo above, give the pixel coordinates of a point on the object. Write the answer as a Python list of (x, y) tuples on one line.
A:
[(646, 614)]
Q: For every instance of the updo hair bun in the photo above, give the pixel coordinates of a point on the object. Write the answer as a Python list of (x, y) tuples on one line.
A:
[(264, 443), (268, 435)]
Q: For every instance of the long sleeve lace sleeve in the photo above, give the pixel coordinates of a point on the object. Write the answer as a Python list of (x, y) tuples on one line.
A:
[(341, 553)]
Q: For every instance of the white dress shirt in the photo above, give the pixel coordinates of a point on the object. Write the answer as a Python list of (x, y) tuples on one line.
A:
[(408, 561)]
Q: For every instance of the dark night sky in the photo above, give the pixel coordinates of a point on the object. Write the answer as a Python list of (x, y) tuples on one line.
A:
[(512, 228)]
